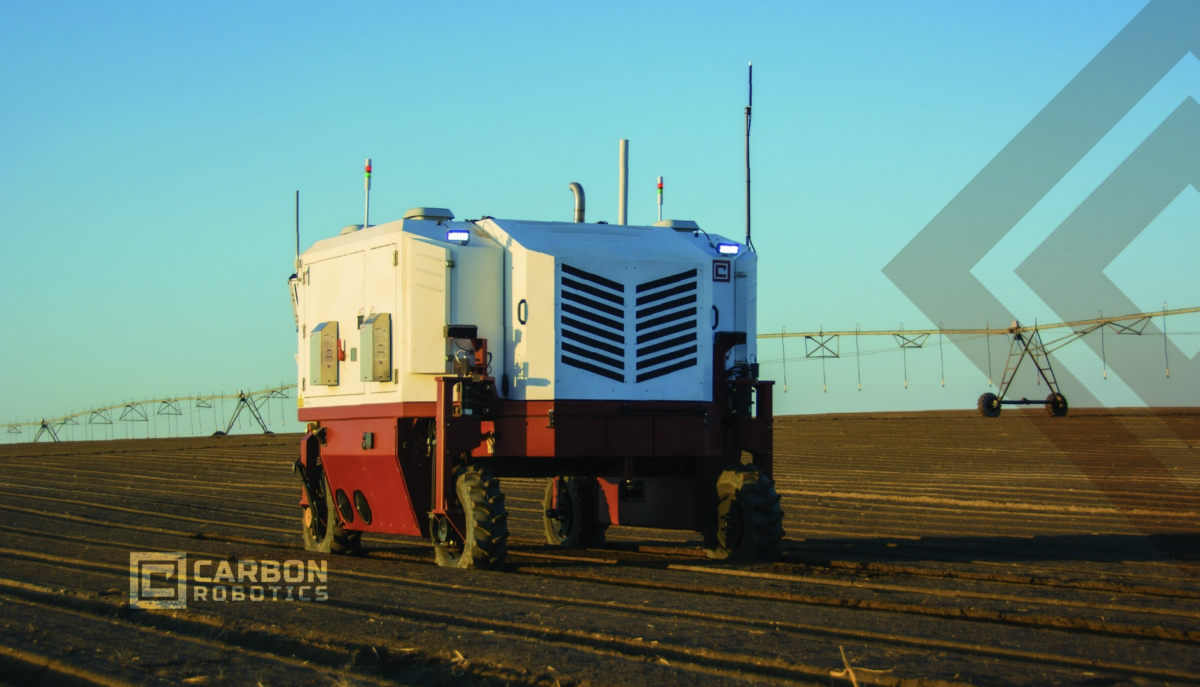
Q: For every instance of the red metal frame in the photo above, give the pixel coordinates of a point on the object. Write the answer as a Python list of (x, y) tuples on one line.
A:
[(702, 438)]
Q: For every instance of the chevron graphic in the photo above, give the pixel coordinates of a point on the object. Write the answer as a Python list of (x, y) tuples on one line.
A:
[(934, 269), (1066, 271)]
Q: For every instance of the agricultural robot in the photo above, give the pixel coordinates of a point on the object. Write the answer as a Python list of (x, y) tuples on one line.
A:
[(439, 357)]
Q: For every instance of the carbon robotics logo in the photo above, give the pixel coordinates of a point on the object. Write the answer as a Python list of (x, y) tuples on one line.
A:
[(1066, 270), (161, 580), (158, 580)]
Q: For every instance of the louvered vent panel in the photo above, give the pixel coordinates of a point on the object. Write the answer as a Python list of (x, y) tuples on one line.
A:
[(666, 325), (592, 315)]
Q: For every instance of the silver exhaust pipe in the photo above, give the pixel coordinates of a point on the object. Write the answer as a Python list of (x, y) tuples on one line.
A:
[(579, 200)]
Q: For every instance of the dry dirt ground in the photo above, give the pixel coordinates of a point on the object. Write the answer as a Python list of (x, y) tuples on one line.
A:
[(922, 549)]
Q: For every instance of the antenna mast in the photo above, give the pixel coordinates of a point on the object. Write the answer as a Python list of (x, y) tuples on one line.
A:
[(297, 230), (623, 181), (749, 104)]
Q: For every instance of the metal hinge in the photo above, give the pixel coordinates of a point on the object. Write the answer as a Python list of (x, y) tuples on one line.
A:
[(449, 263)]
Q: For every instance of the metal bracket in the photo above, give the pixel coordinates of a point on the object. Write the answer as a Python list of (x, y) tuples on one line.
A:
[(915, 341), (169, 408), (100, 417), (819, 346), (1134, 328)]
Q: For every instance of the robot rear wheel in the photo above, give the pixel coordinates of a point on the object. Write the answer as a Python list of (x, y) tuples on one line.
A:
[(749, 517), (570, 520)]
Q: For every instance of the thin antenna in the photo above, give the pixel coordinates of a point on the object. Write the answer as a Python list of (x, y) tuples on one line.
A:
[(660, 190), (623, 181), (367, 198), (749, 104), (297, 231)]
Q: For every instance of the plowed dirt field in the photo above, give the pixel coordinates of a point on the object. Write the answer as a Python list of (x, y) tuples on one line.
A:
[(922, 549)]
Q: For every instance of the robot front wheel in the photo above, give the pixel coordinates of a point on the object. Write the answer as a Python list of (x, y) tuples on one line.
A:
[(486, 536), (749, 527)]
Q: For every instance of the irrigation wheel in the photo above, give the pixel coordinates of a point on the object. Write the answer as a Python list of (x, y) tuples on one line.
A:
[(989, 405), (487, 523), (322, 531), (749, 517), (573, 523), (1056, 405)]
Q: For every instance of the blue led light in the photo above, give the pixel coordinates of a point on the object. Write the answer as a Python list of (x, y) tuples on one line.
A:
[(728, 248), (458, 236)]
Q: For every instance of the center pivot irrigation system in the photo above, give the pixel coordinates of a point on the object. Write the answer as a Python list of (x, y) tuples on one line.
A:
[(1025, 342), (251, 402)]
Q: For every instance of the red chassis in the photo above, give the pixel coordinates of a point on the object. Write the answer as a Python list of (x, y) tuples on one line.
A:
[(389, 466)]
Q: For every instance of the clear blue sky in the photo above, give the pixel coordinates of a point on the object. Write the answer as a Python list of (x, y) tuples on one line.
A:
[(149, 153)]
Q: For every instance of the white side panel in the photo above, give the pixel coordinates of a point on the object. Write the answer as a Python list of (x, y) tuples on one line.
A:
[(531, 311), (723, 315), (335, 293), (510, 370), (477, 293), (426, 298), (746, 288), (539, 328), (382, 284)]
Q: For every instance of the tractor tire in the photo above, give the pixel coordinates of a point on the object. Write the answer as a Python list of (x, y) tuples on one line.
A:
[(487, 523), (325, 534), (989, 405), (1056, 405), (749, 517), (575, 525)]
